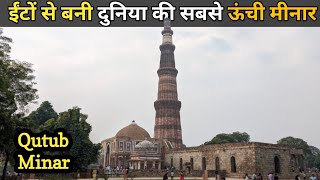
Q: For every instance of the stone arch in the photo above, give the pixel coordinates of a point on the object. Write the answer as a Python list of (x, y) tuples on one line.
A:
[(107, 162), (233, 165), (277, 167), (204, 163), (217, 163), (181, 164)]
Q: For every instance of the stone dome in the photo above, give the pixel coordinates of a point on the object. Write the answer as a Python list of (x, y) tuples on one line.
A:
[(133, 131), (145, 144)]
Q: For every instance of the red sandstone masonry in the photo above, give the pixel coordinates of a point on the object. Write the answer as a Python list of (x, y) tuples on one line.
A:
[(167, 106)]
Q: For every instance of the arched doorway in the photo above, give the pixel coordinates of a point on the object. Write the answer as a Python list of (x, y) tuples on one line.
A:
[(301, 161), (191, 162), (107, 163), (277, 168), (233, 165), (293, 162), (204, 163), (217, 162), (120, 161)]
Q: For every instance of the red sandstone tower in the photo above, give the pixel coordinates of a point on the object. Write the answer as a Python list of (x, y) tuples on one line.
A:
[(167, 106)]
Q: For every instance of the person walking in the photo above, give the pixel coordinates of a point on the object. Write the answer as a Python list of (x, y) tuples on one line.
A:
[(247, 177), (172, 174), (126, 173), (165, 176), (304, 176), (270, 176), (297, 177), (254, 176), (181, 176)]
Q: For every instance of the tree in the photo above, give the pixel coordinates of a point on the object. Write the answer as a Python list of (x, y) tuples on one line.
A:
[(317, 161), (236, 137), (241, 137), (74, 122), (313, 158), (314, 150), (16, 92), (312, 154), (296, 143), (43, 113)]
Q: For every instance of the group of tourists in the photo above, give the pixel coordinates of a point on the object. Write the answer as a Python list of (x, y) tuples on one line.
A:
[(165, 176), (304, 177), (116, 168), (272, 176), (258, 176)]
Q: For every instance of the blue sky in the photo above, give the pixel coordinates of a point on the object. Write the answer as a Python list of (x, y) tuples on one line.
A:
[(263, 81)]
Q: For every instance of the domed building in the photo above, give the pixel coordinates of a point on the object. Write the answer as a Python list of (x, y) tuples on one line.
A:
[(146, 156), (132, 147), (133, 131)]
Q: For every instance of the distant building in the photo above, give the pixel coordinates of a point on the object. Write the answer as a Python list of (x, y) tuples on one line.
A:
[(133, 147)]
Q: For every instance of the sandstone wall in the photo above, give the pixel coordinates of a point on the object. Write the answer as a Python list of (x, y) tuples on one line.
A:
[(249, 158), (265, 156)]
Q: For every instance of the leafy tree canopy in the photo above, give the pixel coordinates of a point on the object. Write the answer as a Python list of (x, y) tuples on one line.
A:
[(296, 143), (236, 137), (317, 162), (74, 122), (43, 113), (16, 92), (314, 150), (312, 154)]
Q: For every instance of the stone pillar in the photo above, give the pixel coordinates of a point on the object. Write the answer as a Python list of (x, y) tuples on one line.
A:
[(139, 164), (145, 165), (153, 165)]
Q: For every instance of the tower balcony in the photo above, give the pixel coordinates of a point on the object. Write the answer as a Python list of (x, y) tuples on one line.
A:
[(167, 46), (167, 30), (167, 70)]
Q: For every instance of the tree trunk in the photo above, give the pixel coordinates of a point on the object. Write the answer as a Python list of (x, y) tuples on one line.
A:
[(5, 166)]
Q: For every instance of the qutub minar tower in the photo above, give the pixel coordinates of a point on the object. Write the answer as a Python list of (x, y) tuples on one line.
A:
[(167, 106)]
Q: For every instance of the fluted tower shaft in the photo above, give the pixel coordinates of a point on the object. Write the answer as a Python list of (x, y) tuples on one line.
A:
[(167, 106)]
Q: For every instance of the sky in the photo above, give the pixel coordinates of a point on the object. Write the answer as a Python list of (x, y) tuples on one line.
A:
[(263, 81)]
